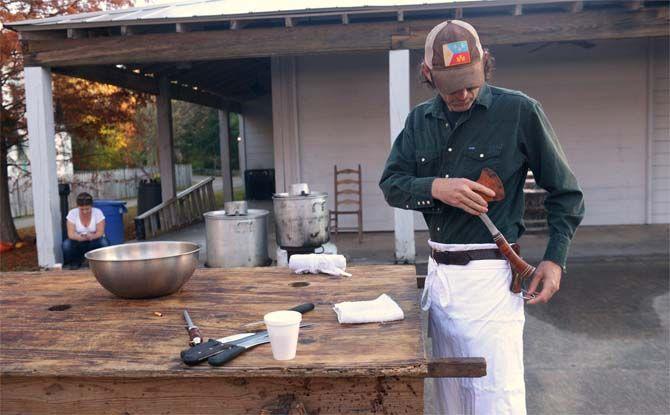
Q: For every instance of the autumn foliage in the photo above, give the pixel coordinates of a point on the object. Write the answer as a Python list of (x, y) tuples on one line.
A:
[(89, 112)]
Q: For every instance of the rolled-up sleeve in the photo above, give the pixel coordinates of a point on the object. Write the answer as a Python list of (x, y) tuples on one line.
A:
[(401, 187), (565, 200)]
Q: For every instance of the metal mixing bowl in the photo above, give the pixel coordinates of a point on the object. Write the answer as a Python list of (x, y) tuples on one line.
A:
[(144, 269)]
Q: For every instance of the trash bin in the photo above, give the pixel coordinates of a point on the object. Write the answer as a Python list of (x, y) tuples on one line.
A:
[(259, 184), (113, 211)]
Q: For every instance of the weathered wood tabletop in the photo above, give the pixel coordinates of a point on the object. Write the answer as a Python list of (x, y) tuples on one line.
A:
[(61, 332)]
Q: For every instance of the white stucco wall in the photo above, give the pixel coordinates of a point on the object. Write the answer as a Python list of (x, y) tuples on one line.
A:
[(596, 99), (258, 133), (343, 120), (660, 132)]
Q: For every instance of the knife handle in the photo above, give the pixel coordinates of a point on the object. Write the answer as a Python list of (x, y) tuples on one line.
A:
[(195, 335), (202, 351), (226, 356), (303, 308), (520, 268)]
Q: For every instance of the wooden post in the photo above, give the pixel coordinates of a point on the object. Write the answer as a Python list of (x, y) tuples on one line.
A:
[(42, 153), (285, 133), (224, 140), (399, 103), (165, 140), (242, 147)]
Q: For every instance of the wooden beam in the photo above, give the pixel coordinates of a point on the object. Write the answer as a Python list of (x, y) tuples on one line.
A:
[(463, 367), (42, 154), (285, 132), (148, 85), (224, 143), (399, 106), (166, 159), (230, 44)]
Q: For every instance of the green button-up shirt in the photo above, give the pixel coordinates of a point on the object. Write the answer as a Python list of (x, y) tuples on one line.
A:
[(504, 130)]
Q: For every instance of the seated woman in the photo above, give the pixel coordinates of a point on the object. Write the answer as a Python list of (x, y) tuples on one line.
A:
[(85, 231)]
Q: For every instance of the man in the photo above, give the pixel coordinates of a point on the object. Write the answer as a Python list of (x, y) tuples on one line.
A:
[(432, 168)]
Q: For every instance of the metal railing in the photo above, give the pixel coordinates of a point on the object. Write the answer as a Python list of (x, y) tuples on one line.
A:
[(183, 210)]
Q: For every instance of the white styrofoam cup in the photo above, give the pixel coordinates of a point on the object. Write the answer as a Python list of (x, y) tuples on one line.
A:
[(283, 328)]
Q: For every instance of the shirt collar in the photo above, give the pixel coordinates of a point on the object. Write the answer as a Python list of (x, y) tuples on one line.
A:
[(437, 106)]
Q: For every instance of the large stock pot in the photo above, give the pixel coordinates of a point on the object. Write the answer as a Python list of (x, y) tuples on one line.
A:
[(301, 220), (237, 236)]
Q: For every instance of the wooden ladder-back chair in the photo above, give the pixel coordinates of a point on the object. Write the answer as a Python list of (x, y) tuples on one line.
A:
[(349, 193)]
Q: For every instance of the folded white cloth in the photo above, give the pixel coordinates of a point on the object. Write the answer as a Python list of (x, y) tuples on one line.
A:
[(379, 310), (315, 263)]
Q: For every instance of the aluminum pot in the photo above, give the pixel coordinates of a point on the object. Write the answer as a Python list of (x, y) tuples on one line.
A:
[(301, 221), (144, 269), (237, 240)]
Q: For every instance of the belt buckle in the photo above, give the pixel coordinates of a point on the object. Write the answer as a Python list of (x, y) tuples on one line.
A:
[(458, 257)]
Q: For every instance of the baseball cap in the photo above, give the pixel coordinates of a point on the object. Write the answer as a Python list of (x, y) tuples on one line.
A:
[(454, 55)]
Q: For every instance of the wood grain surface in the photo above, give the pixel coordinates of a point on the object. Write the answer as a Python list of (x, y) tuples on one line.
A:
[(65, 324), (384, 395)]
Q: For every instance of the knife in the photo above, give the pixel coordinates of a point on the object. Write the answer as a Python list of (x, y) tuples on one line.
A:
[(237, 349), (302, 309), (521, 270), (211, 347), (202, 351)]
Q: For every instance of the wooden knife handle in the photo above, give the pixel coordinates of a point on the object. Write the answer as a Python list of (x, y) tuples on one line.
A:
[(520, 268)]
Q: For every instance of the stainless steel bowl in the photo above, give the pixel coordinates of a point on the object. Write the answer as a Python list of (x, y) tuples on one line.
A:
[(144, 269)]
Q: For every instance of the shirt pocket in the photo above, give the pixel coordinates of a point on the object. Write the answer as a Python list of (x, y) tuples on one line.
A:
[(476, 157), (427, 163)]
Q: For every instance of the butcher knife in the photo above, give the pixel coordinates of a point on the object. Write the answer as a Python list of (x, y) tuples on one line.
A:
[(521, 270), (237, 349), (211, 347)]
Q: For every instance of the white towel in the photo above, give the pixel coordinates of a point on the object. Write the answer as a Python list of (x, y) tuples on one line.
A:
[(382, 309), (315, 263)]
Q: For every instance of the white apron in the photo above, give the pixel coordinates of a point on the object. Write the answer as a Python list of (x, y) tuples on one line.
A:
[(474, 314)]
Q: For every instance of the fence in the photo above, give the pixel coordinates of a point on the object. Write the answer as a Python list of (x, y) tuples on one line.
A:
[(103, 184)]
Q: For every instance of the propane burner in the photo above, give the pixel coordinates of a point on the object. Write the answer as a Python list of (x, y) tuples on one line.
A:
[(299, 251)]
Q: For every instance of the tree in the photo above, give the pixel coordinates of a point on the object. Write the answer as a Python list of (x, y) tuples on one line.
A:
[(67, 93)]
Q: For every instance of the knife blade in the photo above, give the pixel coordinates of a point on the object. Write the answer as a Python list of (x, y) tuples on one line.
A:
[(237, 349), (211, 347)]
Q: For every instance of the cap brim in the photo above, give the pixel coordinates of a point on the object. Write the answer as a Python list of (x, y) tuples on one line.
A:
[(449, 80)]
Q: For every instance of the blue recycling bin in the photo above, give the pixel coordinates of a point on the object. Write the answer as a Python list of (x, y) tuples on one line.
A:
[(113, 211)]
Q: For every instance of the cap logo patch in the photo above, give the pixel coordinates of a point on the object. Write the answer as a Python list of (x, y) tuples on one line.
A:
[(456, 53)]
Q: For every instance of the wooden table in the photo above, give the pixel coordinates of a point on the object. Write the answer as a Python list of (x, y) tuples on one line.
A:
[(69, 346)]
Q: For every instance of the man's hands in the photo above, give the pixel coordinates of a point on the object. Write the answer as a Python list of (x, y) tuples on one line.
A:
[(462, 193), (549, 273)]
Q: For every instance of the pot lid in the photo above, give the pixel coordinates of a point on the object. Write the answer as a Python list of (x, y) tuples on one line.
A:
[(221, 215), (312, 195)]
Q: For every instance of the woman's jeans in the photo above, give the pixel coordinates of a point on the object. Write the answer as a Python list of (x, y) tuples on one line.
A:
[(73, 251)]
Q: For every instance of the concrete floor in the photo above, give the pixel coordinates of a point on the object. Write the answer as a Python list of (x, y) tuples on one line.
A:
[(601, 346)]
